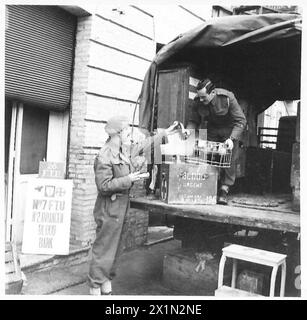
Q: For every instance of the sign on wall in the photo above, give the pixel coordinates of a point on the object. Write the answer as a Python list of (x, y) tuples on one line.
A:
[(47, 217), (54, 170)]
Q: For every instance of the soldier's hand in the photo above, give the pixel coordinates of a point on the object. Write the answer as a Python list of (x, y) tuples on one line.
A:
[(134, 176), (229, 144), (202, 143), (173, 128)]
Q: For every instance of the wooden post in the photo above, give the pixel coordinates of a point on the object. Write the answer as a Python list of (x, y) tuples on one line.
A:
[(273, 280), (10, 176), (283, 279), (221, 270), (234, 273)]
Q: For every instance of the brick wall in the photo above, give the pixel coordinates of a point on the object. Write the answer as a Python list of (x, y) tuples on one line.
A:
[(80, 161), (114, 49), (135, 229), (112, 55)]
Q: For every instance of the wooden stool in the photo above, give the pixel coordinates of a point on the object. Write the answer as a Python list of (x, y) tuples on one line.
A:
[(267, 258)]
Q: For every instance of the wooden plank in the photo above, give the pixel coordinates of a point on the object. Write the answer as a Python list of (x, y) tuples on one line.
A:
[(112, 85), (117, 61), (130, 18), (171, 96), (101, 109), (112, 35), (279, 209), (226, 214), (253, 255), (277, 203)]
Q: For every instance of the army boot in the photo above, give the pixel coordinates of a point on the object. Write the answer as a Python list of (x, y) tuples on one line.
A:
[(222, 197)]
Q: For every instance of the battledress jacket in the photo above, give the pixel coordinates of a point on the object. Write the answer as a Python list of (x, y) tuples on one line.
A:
[(224, 114), (112, 168)]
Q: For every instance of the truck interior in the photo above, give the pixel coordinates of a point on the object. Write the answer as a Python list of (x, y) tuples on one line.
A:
[(258, 58)]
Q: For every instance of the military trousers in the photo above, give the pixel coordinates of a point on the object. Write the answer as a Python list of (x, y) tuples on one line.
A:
[(108, 244), (227, 175)]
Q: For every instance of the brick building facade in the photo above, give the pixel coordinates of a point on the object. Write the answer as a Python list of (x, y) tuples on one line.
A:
[(108, 70), (113, 48)]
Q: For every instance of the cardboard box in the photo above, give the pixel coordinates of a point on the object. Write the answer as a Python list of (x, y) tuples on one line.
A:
[(182, 183)]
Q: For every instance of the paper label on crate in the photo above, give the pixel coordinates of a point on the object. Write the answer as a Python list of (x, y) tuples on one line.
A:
[(47, 217)]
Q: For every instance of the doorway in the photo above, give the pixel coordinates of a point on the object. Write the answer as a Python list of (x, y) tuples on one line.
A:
[(31, 134)]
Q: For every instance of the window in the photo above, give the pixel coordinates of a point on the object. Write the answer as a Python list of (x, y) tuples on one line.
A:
[(33, 139)]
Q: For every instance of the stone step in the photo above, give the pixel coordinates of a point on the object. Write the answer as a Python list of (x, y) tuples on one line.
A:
[(50, 281), (31, 263)]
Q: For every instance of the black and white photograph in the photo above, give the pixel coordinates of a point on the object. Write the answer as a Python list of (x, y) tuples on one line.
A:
[(152, 150)]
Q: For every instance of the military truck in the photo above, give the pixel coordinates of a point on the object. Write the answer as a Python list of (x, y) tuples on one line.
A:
[(258, 57)]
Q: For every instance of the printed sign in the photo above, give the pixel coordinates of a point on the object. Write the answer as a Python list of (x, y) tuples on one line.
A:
[(47, 217), (53, 170)]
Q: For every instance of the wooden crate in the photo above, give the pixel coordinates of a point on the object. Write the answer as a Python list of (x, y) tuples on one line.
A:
[(183, 272), (13, 279), (251, 281), (182, 183)]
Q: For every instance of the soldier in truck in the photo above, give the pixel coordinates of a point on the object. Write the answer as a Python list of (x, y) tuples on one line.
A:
[(225, 123)]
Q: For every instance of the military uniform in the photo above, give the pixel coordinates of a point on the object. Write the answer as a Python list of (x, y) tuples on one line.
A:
[(225, 120), (112, 168)]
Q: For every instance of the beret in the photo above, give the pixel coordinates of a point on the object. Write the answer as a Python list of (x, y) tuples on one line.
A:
[(116, 124)]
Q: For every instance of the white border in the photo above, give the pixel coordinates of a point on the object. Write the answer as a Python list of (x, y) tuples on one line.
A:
[(161, 2)]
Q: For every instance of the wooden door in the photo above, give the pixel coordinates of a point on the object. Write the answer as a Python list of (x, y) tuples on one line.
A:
[(172, 94)]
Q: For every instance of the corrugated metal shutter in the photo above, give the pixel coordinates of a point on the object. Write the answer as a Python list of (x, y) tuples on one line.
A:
[(39, 46)]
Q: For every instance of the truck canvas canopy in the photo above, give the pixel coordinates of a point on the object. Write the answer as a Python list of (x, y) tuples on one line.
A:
[(259, 55)]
